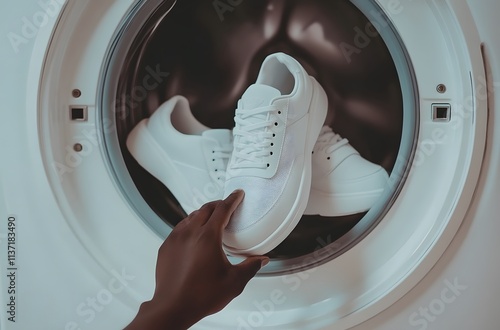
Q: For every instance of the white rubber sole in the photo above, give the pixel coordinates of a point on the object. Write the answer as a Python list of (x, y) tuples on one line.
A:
[(337, 205), (317, 114), (151, 156)]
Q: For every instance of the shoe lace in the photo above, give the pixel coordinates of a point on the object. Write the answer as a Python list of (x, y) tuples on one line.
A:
[(222, 153), (253, 137), (329, 141)]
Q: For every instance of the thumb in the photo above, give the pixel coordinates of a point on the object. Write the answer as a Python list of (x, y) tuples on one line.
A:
[(247, 269)]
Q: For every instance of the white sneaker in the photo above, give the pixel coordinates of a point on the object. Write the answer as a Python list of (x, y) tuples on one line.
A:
[(343, 182), (278, 121), (187, 157)]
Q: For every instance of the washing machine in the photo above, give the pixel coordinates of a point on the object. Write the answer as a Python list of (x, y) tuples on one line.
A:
[(411, 84)]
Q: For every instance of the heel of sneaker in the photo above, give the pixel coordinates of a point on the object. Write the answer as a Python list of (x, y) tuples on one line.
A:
[(317, 112), (143, 147), (150, 155), (137, 142), (328, 205)]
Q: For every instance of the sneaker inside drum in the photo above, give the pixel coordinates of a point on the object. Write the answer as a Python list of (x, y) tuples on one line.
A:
[(210, 53)]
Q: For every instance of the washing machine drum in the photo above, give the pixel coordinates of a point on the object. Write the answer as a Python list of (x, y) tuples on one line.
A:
[(212, 55), (393, 104)]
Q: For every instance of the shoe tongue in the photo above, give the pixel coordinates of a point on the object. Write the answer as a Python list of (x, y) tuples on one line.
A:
[(222, 136), (258, 95)]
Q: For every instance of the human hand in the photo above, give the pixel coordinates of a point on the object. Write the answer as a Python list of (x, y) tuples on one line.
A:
[(194, 278)]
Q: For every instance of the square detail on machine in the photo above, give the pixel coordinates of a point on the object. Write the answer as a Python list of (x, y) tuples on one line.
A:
[(441, 112), (78, 113)]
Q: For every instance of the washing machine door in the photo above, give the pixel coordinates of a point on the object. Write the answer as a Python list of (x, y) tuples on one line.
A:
[(407, 85)]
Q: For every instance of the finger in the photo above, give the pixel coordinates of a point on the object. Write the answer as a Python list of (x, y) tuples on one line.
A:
[(198, 217), (247, 269), (225, 208)]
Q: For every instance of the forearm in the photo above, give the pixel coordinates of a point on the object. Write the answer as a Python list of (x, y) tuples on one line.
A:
[(153, 316)]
